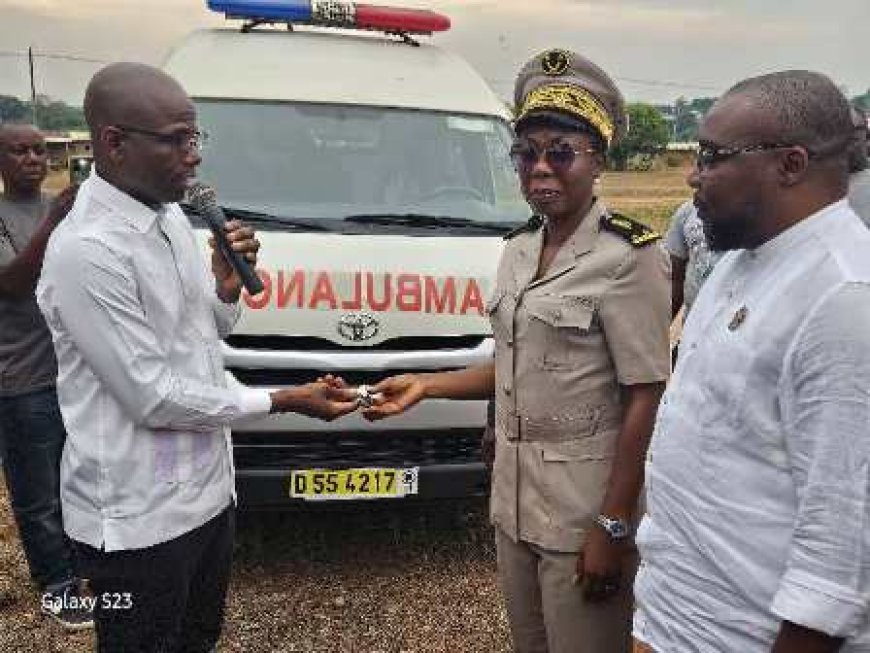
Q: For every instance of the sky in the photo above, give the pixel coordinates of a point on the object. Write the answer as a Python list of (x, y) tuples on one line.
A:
[(657, 50)]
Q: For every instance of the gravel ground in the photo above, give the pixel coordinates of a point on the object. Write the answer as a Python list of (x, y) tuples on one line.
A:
[(372, 578)]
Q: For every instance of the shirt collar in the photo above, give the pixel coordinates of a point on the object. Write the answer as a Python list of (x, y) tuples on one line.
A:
[(140, 216), (583, 239), (803, 229)]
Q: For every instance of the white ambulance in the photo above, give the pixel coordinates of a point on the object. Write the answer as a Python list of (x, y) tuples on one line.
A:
[(376, 171)]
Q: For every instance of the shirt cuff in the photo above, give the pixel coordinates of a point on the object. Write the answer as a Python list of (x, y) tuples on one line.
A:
[(254, 403), (819, 604)]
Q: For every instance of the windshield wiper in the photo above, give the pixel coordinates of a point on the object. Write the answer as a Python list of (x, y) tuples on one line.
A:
[(423, 220), (263, 218)]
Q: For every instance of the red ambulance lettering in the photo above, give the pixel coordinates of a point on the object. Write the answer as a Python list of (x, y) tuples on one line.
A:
[(440, 301), (356, 303), (375, 304), (288, 288), (472, 298), (323, 292), (408, 294), (261, 300), (412, 293)]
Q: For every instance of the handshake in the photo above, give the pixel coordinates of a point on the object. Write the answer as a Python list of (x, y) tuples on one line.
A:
[(330, 397)]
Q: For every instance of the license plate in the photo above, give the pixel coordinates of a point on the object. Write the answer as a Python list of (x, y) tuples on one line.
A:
[(368, 483)]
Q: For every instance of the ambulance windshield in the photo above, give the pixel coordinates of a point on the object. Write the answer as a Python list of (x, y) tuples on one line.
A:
[(329, 161)]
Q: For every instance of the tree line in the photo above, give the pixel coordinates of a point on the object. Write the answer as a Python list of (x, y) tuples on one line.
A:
[(51, 115), (652, 127)]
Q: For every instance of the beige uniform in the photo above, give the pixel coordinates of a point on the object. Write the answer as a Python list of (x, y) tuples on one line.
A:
[(598, 318)]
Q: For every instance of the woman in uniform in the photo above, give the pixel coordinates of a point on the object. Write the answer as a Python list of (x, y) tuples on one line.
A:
[(580, 317)]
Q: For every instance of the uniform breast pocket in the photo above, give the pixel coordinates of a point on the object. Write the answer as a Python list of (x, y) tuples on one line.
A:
[(563, 328)]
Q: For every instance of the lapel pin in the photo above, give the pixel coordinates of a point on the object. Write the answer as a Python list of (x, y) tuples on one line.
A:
[(738, 319)]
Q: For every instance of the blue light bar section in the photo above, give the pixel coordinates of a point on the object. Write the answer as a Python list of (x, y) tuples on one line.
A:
[(284, 10)]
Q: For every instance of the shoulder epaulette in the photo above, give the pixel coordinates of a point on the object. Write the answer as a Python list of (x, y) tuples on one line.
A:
[(533, 224), (636, 233)]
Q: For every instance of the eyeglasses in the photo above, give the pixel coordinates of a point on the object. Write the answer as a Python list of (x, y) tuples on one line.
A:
[(559, 157), (183, 139), (709, 154), (22, 150)]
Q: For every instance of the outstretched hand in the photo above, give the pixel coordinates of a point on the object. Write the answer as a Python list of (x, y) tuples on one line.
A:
[(395, 395), (318, 399)]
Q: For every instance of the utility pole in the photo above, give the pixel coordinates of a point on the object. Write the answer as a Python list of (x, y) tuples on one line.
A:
[(33, 112)]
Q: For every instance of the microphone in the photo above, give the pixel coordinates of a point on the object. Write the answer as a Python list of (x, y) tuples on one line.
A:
[(203, 200)]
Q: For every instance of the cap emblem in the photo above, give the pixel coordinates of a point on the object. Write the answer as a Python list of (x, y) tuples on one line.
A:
[(555, 62)]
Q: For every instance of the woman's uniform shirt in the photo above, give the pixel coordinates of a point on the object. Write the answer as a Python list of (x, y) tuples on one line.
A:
[(598, 318)]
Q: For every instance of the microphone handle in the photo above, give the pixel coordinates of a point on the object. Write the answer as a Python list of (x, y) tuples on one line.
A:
[(250, 279)]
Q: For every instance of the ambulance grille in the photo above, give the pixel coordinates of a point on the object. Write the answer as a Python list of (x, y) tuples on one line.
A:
[(342, 450), (406, 343)]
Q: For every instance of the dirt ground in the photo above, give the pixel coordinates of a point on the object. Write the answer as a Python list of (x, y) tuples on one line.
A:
[(365, 580), (359, 580)]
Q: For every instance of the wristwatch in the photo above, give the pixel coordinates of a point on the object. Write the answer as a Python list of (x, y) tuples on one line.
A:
[(617, 529)]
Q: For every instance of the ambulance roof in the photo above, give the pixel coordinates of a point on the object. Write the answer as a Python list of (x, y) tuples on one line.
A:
[(328, 66)]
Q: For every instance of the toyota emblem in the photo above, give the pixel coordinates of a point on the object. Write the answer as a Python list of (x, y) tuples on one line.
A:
[(357, 327)]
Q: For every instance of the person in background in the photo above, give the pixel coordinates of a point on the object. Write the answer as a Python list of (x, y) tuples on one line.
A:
[(756, 534), (580, 317), (691, 258), (136, 318), (32, 434), (859, 179)]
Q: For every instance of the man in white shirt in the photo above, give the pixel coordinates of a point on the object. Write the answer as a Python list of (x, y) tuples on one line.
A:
[(859, 167), (756, 537), (136, 319)]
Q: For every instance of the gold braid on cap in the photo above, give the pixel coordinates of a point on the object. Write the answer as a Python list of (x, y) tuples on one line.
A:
[(573, 100)]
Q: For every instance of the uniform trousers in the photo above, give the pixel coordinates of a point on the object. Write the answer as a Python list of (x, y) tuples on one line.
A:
[(546, 609)]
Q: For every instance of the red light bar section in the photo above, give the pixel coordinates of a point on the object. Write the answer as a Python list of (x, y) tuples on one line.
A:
[(412, 21)]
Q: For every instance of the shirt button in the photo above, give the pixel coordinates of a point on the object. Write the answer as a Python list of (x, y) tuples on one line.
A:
[(510, 342), (507, 389)]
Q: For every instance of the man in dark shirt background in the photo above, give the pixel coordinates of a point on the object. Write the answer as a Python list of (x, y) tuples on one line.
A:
[(31, 429)]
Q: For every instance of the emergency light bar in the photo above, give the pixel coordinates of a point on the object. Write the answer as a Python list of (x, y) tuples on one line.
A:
[(335, 13)]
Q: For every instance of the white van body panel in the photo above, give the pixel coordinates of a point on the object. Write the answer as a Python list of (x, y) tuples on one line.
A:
[(420, 286), (315, 66)]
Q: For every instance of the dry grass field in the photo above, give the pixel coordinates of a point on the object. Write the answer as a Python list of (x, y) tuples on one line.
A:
[(378, 580)]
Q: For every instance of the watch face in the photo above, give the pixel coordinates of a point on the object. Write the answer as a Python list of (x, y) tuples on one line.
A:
[(616, 528)]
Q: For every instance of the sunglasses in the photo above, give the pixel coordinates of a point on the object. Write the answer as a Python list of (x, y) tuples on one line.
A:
[(709, 154), (183, 139), (559, 157)]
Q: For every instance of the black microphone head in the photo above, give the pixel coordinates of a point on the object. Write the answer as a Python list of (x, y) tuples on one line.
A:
[(201, 196)]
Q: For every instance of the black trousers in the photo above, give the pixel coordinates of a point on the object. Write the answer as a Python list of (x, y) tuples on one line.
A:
[(164, 599)]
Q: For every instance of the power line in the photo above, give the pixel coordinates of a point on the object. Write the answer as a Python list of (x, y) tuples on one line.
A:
[(67, 57), (649, 82), (51, 55)]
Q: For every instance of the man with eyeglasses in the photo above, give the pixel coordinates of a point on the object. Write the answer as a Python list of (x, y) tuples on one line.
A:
[(31, 428), (756, 536), (859, 180), (136, 316)]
